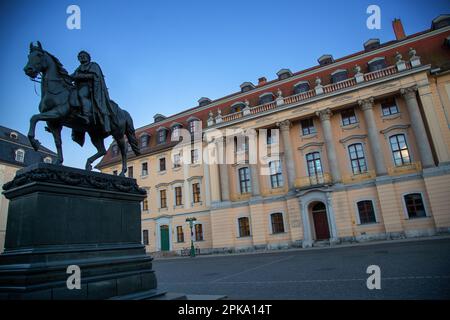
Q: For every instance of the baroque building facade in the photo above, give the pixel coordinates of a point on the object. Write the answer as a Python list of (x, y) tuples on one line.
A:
[(362, 152)]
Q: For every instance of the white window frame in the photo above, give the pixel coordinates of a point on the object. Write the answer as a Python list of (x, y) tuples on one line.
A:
[(16, 155), (375, 211), (238, 233), (284, 222), (425, 205)]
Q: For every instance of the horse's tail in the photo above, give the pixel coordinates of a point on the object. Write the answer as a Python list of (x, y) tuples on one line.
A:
[(131, 134)]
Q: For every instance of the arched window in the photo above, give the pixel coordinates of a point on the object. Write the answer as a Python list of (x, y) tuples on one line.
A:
[(376, 64), (276, 176), (366, 212), (300, 87), (339, 75), (20, 155), (400, 150), (357, 159), (244, 180), (266, 98), (414, 205)]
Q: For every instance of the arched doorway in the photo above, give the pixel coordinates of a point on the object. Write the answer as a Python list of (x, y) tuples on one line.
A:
[(320, 219), (164, 232)]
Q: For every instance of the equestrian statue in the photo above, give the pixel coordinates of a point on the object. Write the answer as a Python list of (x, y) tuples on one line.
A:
[(79, 101)]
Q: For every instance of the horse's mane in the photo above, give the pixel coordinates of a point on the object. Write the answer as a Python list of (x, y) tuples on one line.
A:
[(60, 69)]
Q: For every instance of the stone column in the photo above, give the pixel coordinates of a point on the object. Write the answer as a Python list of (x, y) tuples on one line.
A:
[(332, 219), (409, 94), (325, 116), (213, 169), (205, 162), (223, 170), (307, 239), (374, 141), (290, 164), (255, 180)]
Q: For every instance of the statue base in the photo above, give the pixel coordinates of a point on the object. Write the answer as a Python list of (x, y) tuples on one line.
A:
[(60, 217)]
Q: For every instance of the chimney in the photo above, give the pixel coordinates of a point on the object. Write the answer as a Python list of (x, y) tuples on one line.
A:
[(262, 81), (398, 29)]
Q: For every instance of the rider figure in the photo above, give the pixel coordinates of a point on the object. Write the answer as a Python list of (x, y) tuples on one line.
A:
[(92, 91)]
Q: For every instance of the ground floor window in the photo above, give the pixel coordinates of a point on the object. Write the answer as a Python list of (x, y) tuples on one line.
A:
[(198, 232), (366, 212), (145, 237), (180, 234), (244, 227), (414, 205), (277, 222)]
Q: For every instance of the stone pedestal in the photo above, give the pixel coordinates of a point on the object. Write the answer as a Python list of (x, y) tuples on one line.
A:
[(60, 216)]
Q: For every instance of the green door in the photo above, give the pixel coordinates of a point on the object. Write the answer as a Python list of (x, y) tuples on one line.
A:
[(164, 230)]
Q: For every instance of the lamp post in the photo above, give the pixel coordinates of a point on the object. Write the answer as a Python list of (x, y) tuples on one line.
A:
[(191, 224)]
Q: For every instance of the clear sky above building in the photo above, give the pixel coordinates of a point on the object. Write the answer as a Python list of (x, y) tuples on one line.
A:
[(162, 56)]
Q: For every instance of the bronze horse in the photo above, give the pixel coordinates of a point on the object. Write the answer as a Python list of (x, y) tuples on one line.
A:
[(58, 109)]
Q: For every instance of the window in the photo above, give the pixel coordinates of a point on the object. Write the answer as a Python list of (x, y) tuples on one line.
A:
[(308, 126), (194, 126), (162, 164), (244, 180), (357, 158), (198, 232), (400, 150), (176, 132), (115, 172), (389, 107), (276, 177), (130, 172), (244, 227), (340, 75), (48, 160), (145, 204), (180, 234), (196, 192), (161, 136), (348, 117), (301, 87), (241, 143), (20, 155), (144, 141), (163, 198), (144, 170), (14, 135), (176, 160), (145, 237), (414, 205), (366, 212), (115, 150), (266, 98), (376, 64), (178, 196), (237, 107), (313, 164), (271, 138), (277, 222), (194, 156)]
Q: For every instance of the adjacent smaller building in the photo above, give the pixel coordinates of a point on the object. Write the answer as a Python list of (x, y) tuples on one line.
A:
[(16, 153)]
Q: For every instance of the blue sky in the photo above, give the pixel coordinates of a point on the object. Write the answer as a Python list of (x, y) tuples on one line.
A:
[(162, 56)]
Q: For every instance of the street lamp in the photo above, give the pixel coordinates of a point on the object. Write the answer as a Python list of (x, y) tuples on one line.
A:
[(191, 224)]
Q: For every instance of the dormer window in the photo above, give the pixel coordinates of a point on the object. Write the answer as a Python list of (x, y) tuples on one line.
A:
[(301, 86), (247, 86), (440, 22), (194, 124), (176, 127), (162, 135), (371, 44), (115, 150), (237, 107), (266, 98), (377, 63), (326, 59), (14, 135), (204, 101), (158, 117), (339, 75), (48, 160), (284, 74), (144, 140), (20, 155)]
